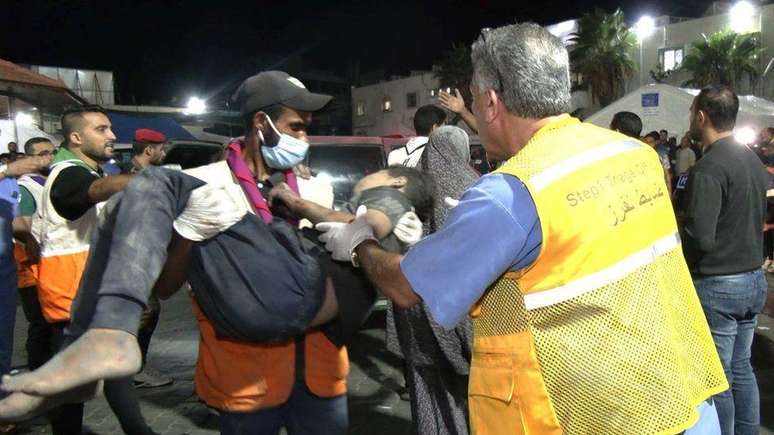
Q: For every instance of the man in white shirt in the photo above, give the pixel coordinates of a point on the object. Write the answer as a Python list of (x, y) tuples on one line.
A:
[(686, 158), (426, 119)]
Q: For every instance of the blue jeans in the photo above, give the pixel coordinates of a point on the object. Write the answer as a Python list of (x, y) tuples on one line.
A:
[(7, 317), (303, 414), (731, 304), (8, 291)]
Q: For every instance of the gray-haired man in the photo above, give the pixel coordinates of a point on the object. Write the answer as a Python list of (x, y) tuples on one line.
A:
[(562, 307)]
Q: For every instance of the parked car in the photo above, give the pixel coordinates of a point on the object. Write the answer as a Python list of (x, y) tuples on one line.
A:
[(185, 153), (344, 160)]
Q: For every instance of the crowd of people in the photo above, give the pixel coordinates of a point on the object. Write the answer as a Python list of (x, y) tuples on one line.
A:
[(590, 285)]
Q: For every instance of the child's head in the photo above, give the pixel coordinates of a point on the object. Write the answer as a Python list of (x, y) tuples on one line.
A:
[(418, 187)]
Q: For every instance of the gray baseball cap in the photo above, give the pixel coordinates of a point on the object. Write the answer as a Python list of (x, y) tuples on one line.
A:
[(277, 87)]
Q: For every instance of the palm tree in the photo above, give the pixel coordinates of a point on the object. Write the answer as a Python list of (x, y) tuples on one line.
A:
[(602, 54), (454, 69), (725, 58)]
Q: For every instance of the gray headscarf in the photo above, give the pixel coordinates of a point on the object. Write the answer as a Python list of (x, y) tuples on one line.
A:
[(447, 159)]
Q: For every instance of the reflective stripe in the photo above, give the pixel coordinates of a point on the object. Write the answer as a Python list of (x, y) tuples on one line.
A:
[(67, 251), (604, 277), (566, 167)]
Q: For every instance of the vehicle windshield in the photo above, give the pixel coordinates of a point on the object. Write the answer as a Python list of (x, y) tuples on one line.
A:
[(344, 165), (191, 155)]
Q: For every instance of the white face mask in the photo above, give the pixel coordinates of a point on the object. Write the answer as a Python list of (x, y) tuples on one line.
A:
[(288, 151)]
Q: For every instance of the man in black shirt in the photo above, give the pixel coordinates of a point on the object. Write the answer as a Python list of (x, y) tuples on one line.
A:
[(724, 215), (74, 190)]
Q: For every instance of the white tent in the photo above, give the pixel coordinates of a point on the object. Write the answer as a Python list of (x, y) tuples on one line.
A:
[(25, 132), (665, 107)]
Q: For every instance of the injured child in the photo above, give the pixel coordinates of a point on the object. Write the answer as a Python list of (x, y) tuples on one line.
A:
[(256, 277)]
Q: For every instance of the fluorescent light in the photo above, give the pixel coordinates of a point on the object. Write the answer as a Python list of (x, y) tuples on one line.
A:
[(741, 17), (25, 119), (745, 135), (195, 106), (645, 27)]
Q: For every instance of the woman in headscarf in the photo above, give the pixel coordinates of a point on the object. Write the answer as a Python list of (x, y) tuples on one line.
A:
[(437, 361)]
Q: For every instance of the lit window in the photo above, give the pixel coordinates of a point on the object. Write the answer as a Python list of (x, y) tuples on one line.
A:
[(360, 110), (411, 100), (386, 104), (671, 58)]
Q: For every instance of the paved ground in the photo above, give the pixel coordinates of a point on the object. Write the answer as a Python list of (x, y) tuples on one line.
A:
[(375, 408)]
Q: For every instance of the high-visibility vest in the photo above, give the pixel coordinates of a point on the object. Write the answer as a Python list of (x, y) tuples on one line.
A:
[(64, 247), (604, 333), (238, 376), (25, 276)]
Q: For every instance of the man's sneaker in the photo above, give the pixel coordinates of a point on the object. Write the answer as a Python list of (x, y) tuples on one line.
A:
[(149, 378)]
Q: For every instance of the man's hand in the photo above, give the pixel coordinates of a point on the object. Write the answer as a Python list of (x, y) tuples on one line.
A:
[(454, 103), (27, 165), (303, 171), (284, 193), (341, 239), (32, 249), (408, 229)]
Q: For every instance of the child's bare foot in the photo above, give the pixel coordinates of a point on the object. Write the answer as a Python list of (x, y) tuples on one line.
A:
[(22, 406), (98, 354)]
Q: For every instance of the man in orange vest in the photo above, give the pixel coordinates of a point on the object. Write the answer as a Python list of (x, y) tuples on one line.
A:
[(298, 383), (27, 253), (568, 258)]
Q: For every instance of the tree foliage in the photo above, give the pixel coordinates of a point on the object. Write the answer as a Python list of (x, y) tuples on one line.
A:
[(602, 54), (725, 58), (454, 69)]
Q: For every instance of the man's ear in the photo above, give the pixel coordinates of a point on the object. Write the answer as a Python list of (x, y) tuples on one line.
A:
[(260, 121), (491, 105), (75, 138), (701, 118)]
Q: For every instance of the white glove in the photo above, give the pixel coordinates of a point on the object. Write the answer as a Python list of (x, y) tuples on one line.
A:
[(408, 229), (341, 239), (210, 211), (451, 202)]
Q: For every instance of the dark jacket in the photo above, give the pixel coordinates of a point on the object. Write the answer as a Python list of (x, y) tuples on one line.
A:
[(725, 209)]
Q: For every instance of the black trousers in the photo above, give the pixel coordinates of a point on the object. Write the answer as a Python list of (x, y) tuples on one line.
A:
[(39, 332), (66, 419)]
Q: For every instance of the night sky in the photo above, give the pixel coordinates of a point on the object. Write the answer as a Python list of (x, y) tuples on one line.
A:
[(164, 51)]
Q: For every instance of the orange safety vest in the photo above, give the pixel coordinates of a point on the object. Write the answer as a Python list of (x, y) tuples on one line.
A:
[(64, 248), (604, 333), (24, 271), (238, 376), (25, 277)]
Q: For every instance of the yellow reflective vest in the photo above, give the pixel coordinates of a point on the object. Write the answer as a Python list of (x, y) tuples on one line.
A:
[(604, 333)]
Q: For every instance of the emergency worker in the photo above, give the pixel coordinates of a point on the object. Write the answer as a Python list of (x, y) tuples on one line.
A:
[(585, 317)]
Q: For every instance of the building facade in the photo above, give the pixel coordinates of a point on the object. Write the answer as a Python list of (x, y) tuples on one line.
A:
[(388, 108), (662, 50)]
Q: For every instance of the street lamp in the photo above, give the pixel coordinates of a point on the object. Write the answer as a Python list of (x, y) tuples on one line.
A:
[(195, 106), (645, 27), (741, 17)]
